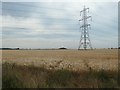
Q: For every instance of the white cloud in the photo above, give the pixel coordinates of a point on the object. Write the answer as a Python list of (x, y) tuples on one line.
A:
[(18, 22)]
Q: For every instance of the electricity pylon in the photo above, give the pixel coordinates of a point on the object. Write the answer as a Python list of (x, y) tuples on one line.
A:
[(84, 39)]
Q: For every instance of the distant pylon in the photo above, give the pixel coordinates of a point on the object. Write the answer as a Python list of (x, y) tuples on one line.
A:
[(84, 39)]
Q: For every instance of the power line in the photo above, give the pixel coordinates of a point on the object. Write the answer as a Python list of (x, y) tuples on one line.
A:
[(45, 29), (41, 23), (18, 29)]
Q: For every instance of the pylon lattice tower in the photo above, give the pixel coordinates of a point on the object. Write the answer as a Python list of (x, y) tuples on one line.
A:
[(84, 39)]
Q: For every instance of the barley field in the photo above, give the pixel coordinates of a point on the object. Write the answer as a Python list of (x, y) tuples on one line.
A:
[(60, 68), (70, 59)]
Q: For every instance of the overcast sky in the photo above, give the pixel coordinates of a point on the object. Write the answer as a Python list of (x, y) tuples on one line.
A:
[(55, 24)]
